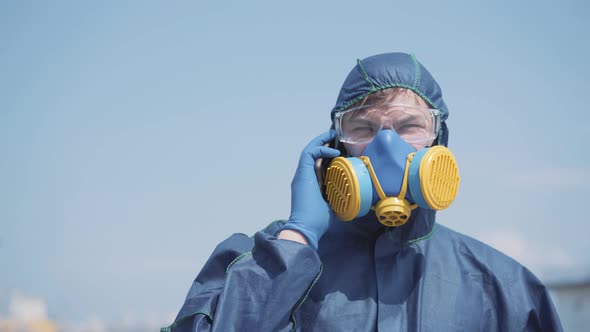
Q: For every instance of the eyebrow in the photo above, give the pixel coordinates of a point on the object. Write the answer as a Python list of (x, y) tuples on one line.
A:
[(408, 118), (361, 120), (402, 120)]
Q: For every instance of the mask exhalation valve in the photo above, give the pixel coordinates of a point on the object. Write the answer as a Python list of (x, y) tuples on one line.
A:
[(393, 211)]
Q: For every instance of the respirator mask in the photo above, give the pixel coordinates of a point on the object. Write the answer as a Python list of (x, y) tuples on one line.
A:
[(393, 169)]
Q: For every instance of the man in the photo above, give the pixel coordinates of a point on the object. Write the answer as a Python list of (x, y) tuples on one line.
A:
[(385, 270)]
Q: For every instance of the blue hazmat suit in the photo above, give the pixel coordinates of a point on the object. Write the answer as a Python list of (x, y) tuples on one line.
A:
[(421, 276)]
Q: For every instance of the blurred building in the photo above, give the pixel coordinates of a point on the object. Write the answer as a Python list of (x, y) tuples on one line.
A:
[(572, 300), (26, 314)]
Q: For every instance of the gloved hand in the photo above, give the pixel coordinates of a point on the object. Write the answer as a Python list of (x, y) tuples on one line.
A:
[(310, 213)]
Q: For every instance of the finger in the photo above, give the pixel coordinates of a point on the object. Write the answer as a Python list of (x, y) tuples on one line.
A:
[(322, 139), (309, 156), (306, 167), (322, 152)]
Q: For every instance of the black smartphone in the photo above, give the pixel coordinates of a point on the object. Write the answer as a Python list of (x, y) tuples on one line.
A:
[(321, 164)]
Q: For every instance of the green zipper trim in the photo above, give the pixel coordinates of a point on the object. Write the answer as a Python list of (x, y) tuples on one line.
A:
[(425, 237), (169, 328), (237, 259), (417, 72), (176, 323), (365, 76), (387, 86), (300, 302)]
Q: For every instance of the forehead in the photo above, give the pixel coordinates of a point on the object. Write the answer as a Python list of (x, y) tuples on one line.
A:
[(395, 110), (392, 95), (406, 97), (386, 113), (387, 103)]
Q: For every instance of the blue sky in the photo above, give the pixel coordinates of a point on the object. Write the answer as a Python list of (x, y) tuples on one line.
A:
[(135, 136)]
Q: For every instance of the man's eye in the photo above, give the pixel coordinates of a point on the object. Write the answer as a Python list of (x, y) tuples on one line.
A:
[(362, 130), (410, 127)]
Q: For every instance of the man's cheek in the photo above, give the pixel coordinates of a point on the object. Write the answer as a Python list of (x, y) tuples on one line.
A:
[(355, 150)]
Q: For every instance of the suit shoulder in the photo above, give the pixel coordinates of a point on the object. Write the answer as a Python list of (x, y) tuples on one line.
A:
[(483, 258)]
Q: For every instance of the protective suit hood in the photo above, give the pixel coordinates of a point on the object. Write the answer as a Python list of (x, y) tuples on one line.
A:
[(392, 70)]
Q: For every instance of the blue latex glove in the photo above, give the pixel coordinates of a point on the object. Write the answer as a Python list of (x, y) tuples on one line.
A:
[(310, 213)]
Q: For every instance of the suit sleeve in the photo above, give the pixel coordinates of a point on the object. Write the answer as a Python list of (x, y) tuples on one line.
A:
[(249, 284), (543, 316), (524, 304)]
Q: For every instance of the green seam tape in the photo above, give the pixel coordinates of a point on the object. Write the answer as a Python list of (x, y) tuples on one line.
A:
[(169, 328), (425, 237), (176, 323), (365, 76), (417, 72), (237, 259), (315, 280), (387, 86)]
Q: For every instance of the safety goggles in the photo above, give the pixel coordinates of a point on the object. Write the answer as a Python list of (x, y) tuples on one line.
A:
[(414, 124)]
